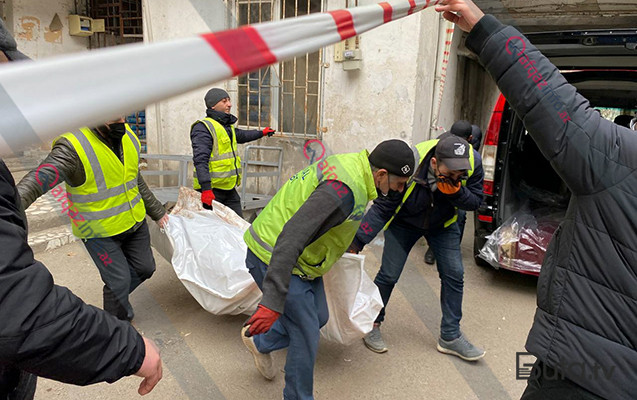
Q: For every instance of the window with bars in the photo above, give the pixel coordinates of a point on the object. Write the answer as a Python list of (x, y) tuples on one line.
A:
[(284, 95)]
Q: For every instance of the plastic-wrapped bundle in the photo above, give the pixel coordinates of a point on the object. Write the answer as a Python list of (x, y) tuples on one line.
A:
[(209, 255), (520, 243)]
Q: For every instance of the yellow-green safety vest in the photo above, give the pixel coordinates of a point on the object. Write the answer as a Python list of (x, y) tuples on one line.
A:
[(420, 152), (108, 202), (225, 164), (354, 170)]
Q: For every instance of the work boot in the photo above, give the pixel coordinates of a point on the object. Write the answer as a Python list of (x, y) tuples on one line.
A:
[(429, 256), (460, 347), (263, 361), (374, 341)]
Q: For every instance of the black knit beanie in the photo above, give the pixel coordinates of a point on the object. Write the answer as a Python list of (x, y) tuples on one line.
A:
[(214, 96), (395, 156), (461, 128)]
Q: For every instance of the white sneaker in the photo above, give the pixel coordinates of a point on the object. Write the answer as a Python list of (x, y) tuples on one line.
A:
[(263, 361)]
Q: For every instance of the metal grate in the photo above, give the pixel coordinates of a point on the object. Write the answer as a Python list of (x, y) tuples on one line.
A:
[(122, 20), (285, 95)]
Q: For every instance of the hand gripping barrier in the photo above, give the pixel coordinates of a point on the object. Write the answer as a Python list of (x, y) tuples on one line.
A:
[(40, 100)]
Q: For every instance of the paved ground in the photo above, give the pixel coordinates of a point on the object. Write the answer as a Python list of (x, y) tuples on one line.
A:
[(205, 359)]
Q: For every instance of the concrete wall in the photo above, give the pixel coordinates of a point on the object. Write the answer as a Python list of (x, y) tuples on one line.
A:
[(30, 23), (378, 102)]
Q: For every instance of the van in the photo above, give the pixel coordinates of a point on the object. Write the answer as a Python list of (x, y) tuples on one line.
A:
[(518, 180)]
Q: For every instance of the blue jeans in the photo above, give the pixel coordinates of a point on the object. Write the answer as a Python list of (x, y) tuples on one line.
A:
[(297, 328), (445, 243)]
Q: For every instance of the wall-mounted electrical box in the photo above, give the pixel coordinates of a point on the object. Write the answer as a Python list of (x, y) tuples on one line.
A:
[(98, 26), (79, 25), (349, 53)]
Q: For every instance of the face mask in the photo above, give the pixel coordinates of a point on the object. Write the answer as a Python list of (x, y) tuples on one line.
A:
[(447, 185), (116, 130)]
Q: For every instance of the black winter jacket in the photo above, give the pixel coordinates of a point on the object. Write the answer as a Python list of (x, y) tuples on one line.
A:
[(585, 324), (201, 140), (423, 209), (45, 329), (66, 161)]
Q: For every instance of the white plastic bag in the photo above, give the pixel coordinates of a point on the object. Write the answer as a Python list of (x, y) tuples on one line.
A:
[(353, 300), (209, 256)]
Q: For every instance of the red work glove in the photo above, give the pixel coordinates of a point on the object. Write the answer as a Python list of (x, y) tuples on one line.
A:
[(268, 132), (207, 197), (261, 321)]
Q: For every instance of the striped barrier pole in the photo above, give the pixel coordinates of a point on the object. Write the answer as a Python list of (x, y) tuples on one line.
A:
[(40, 100)]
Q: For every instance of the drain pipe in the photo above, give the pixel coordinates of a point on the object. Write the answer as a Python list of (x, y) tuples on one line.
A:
[(442, 60)]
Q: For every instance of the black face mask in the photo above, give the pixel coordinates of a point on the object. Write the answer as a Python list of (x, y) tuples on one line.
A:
[(390, 192), (114, 131)]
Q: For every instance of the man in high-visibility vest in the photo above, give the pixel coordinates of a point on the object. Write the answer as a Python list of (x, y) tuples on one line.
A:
[(297, 238), (473, 135), (447, 179), (45, 328), (214, 151), (107, 201)]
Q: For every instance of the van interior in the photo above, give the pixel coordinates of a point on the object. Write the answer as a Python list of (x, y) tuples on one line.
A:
[(528, 179)]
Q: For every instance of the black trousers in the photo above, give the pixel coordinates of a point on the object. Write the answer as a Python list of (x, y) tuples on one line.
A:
[(124, 262), (229, 198), (16, 384), (545, 384)]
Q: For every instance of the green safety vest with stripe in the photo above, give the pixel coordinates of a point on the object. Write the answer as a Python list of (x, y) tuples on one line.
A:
[(225, 164), (108, 202), (354, 170), (420, 152)]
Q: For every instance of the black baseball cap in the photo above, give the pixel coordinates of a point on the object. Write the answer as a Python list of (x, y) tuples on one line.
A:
[(395, 156), (453, 152)]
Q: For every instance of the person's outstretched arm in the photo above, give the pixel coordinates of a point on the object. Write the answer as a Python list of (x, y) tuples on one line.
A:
[(588, 152)]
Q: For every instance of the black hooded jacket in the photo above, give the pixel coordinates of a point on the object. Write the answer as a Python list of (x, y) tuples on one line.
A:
[(202, 142), (44, 328), (585, 324)]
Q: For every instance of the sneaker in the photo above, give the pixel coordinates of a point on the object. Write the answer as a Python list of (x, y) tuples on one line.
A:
[(429, 256), (460, 347), (374, 341), (263, 361)]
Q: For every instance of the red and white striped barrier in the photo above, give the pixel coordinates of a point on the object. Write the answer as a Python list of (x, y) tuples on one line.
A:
[(40, 100)]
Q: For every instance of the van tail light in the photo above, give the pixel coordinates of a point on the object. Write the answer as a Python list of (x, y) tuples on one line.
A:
[(490, 146), (485, 218)]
